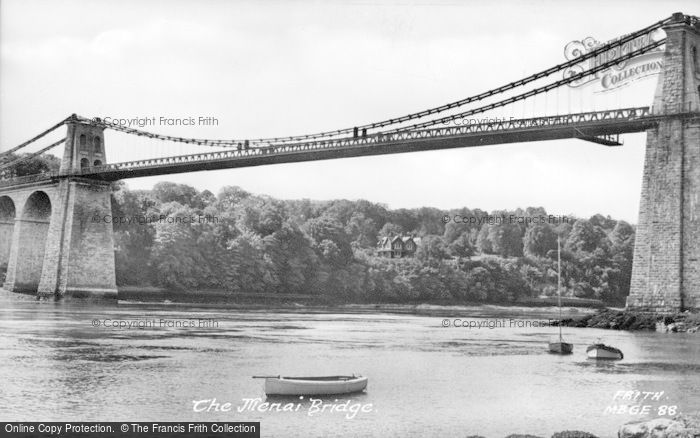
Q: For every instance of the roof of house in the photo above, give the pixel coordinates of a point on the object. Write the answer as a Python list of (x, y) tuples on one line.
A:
[(384, 240)]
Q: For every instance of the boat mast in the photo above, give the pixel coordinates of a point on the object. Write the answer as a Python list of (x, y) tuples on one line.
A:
[(559, 284)]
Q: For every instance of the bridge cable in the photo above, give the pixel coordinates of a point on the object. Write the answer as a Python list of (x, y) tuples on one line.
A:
[(530, 93), (28, 142), (30, 156), (381, 135), (266, 141), (387, 135)]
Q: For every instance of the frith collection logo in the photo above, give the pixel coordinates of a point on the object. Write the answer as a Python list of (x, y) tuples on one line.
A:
[(622, 74)]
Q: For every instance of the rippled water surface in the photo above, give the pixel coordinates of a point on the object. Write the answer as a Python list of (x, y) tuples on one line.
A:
[(424, 379)]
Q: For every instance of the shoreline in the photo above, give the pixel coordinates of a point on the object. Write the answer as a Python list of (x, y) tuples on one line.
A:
[(573, 316), (307, 303), (219, 296), (628, 320)]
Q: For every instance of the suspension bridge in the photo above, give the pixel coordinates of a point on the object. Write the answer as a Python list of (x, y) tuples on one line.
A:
[(51, 247)]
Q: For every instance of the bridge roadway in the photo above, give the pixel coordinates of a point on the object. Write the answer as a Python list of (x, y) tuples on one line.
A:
[(585, 126)]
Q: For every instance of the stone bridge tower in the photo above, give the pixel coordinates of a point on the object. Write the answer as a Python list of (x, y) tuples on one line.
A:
[(666, 270), (62, 241)]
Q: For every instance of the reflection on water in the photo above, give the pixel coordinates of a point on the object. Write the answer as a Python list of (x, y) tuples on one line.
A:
[(424, 380)]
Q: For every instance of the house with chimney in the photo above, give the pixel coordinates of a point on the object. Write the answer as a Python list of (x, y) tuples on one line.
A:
[(396, 247)]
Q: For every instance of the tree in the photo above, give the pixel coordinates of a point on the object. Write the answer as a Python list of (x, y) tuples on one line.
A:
[(263, 216), (483, 242), (622, 252), (453, 230), (183, 194), (407, 219), (479, 284), (563, 229), (133, 242), (204, 199), (230, 196), (585, 236), (622, 233), (454, 280), (330, 239), (177, 258), (429, 221), (302, 210), (259, 244), (538, 240), (532, 275), (39, 164), (603, 222), (250, 267), (294, 263), (432, 248), (389, 229), (506, 239), (428, 283), (341, 210), (362, 230), (462, 246)]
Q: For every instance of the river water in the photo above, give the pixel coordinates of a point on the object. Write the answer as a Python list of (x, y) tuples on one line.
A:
[(59, 362)]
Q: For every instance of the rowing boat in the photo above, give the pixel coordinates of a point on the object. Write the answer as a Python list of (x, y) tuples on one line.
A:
[(602, 351), (325, 385)]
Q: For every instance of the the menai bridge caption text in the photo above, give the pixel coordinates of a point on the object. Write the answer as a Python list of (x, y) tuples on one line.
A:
[(136, 429)]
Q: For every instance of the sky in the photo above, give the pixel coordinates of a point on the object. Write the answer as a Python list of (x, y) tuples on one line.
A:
[(269, 68)]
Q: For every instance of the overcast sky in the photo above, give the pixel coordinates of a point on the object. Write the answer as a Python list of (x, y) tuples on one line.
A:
[(277, 68)]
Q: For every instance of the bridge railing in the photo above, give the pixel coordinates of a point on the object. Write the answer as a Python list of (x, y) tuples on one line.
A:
[(27, 179), (384, 138), (577, 120)]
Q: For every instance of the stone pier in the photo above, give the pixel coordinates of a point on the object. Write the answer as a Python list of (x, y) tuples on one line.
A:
[(53, 235), (666, 269)]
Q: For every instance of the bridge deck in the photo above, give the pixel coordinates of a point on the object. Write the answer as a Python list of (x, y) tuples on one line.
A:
[(581, 125)]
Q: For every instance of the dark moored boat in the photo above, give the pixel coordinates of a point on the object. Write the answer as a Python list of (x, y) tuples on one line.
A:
[(559, 346)]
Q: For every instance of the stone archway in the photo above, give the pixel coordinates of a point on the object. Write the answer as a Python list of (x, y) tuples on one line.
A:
[(7, 226), (33, 229)]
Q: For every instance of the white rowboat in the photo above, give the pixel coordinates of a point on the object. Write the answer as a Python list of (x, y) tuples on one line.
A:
[(329, 385), (602, 351)]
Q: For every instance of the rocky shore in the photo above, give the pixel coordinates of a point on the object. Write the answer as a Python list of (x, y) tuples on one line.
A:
[(681, 426), (629, 320)]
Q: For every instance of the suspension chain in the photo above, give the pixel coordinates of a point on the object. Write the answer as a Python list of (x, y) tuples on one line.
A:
[(5, 155), (530, 93), (28, 157), (418, 115)]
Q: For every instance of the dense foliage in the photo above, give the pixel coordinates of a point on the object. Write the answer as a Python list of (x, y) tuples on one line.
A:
[(242, 242), (40, 164)]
